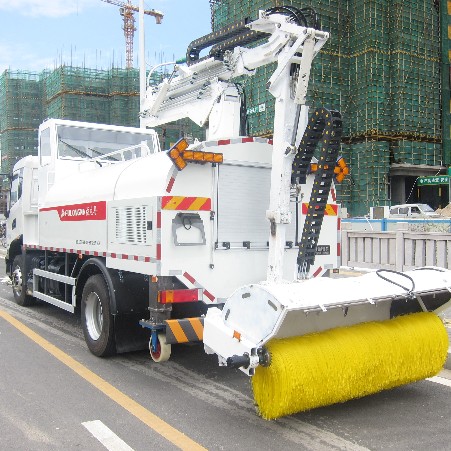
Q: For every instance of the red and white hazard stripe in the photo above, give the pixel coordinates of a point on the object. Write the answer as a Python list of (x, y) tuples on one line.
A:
[(241, 140), (187, 279), (175, 171), (120, 256)]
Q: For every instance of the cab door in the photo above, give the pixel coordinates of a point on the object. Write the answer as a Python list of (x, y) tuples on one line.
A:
[(14, 226)]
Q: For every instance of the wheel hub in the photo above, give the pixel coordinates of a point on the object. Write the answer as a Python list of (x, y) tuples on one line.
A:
[(94, 315), (17, 281)]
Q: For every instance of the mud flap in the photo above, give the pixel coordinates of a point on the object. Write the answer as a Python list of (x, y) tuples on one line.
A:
[(130, 336)]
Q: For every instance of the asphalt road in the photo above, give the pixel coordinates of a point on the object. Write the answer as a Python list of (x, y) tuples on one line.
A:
[(56, 395)]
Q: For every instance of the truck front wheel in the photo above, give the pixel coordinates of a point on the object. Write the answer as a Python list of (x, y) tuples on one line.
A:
[(19, 283), (97, 321)]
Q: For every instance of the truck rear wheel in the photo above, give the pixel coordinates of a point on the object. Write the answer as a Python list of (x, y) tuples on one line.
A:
[(97, 321), (19, 283)]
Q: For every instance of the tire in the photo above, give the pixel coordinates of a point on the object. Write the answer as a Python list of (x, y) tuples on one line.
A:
[(163, 351), (96, 317), (19, 283)]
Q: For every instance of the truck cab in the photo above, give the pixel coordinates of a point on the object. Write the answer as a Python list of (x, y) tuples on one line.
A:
[(66, 148), (23, 206)]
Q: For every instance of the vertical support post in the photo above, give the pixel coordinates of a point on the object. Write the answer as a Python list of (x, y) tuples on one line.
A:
[(282, 160), (345, 245), (399, 254), (142, 60), (290, 121)]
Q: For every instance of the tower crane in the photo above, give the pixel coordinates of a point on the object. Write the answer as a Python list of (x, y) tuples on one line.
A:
[(127, 11)]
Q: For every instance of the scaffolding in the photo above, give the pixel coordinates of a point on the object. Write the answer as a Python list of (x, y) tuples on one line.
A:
[(381, 69), (75, 93), (21, 112)]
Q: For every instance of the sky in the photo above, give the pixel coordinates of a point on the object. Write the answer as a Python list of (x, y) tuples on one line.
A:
[(43, 34)]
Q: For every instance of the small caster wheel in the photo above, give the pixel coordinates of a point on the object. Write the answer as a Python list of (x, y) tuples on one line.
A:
[(162, 351)]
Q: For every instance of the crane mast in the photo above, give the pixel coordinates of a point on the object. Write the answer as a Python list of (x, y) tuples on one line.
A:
[(127, 11)]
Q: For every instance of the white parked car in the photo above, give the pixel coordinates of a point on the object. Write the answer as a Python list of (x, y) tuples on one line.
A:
[(413, 211)]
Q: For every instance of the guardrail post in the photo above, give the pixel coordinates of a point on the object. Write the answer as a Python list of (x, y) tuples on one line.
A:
[(345, 227), (399, 256)]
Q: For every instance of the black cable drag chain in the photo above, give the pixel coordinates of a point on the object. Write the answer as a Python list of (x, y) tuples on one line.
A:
[(326, 127)]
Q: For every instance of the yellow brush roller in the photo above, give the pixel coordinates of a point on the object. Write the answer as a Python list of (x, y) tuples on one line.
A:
[(348, 362)]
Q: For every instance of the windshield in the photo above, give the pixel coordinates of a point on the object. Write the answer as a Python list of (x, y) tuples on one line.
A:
[(16, 187), (86, 143), (426, 208)]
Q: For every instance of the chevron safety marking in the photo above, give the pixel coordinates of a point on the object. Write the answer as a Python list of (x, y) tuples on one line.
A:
[(333, 194), (330, 210), (172, 180), (318, 271), (188, 277), (185, 330), (185, 203)]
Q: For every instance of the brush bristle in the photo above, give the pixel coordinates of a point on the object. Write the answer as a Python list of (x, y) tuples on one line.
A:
[(349, 362)]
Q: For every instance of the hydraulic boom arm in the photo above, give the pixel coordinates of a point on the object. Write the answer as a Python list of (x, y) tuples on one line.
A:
[(204, 92), (204, 89)]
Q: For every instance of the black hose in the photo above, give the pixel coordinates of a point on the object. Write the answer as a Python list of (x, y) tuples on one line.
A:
[(308, 12), (301, 16), (292, 12), (409, 292)]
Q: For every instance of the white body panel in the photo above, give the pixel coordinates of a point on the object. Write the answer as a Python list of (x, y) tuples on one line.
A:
[(116, 210)]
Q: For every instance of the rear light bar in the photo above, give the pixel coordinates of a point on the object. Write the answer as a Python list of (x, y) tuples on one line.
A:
[(177, 296)]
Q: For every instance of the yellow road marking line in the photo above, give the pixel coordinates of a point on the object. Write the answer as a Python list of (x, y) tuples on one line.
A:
[(151, 420)]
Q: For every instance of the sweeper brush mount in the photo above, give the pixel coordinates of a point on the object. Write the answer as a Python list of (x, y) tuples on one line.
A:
[(266, 330)]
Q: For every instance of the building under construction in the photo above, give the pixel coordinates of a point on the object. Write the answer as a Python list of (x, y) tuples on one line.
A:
[(76, 93), (386, 67)]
